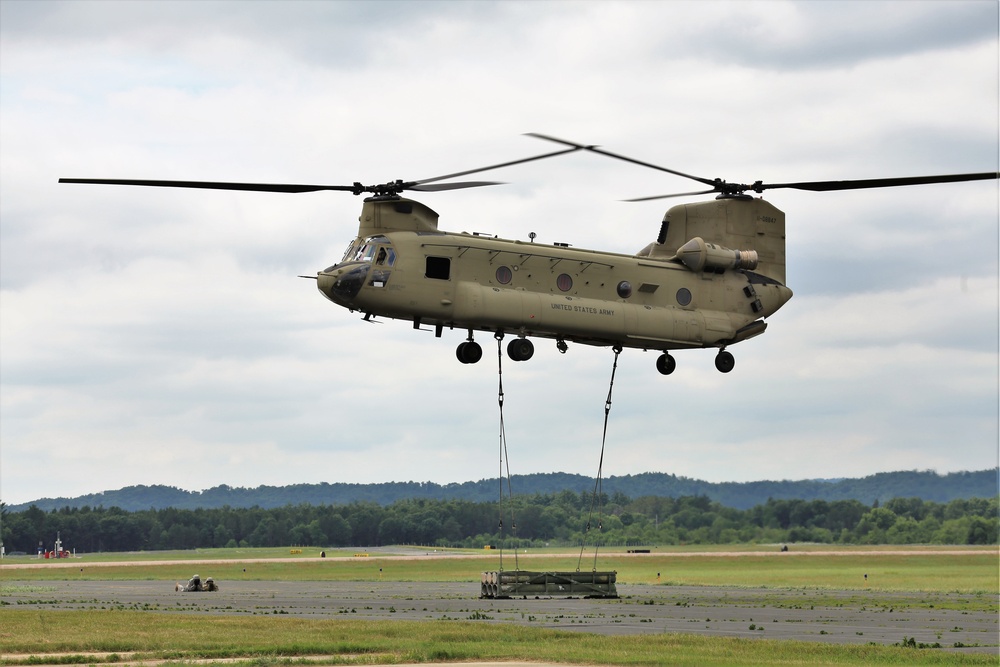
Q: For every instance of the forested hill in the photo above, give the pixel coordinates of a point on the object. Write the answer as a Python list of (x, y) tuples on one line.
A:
[(926, 485)]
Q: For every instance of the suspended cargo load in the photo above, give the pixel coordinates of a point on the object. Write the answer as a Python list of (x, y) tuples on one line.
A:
[(567, 584)]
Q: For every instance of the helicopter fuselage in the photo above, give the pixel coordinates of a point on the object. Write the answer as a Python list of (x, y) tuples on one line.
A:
[(714, 274), (402, 267)]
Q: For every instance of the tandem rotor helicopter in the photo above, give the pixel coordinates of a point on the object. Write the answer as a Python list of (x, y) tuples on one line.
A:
[(714, 274)]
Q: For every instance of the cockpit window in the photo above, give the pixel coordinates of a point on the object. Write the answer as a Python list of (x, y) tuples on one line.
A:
[(376, 249), (358, 252), (365, 251)]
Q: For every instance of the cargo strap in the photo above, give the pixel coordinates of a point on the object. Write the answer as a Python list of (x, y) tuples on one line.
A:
[(503, 461), (597, 498)]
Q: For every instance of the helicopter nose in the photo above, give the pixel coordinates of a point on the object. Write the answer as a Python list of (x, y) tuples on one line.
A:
[(324, 281), (341, 284)]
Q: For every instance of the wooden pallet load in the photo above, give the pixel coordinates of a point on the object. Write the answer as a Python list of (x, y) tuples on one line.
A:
[(519, 583)]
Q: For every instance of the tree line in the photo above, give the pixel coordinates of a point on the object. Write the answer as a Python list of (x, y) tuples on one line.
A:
[(559, 519), (925, 484)]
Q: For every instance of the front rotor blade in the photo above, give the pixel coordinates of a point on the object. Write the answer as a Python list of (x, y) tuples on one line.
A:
[(495, 166), (829, 186), (213, 185), (595, 149), (440, 187)]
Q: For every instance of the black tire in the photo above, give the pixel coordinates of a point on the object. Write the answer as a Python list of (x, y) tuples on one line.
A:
[(471, 353), (520, 349), (665, 364), (724, 361)]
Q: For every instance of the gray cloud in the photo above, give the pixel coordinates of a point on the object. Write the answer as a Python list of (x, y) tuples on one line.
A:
[(143, 330)]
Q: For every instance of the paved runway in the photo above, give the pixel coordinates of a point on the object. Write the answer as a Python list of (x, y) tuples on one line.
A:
[(827, 616)]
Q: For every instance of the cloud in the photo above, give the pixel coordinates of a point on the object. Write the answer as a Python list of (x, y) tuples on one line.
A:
[(154, 336)]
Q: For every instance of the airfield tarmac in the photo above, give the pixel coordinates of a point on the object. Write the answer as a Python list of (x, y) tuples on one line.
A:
[(857, 617)]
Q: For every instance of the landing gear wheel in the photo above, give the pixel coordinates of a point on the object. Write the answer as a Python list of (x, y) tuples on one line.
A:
[(469, 352), (520, 349), (665, 364), (724, 361)]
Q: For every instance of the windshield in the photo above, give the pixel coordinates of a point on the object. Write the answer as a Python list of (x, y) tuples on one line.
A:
[(376, 249)]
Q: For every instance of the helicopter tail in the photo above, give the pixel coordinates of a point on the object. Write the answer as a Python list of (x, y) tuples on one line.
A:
[(753, 226)]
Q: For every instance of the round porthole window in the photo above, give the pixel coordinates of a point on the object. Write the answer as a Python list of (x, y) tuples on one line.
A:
[(504, 274), (624, 289), (684, 296), (564, 282)]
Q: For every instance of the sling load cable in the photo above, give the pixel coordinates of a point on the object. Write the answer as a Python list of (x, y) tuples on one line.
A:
[(504, 459), (600, 466)]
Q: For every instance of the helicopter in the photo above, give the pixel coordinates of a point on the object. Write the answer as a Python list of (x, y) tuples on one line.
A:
[(713, 276)]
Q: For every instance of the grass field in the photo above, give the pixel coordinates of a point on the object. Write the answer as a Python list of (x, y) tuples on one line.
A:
[(970, 578), (973, 571), (134, 637)]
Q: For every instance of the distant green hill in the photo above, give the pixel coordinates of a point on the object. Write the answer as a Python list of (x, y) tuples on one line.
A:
[(926, 485)]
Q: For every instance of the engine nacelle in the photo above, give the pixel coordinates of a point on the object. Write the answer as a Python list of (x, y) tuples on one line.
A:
[(698, 255)]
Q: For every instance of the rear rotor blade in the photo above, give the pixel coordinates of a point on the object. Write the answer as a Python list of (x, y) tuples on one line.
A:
[(732, 189), (676, 194), (829, 186)]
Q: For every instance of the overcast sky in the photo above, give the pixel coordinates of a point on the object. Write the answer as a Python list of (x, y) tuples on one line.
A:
[(161, 336)]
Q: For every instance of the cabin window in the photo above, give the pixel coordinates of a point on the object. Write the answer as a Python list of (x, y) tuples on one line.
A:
[(385, 256), (624, 289), (504, 275), (564, 282), (438, 268), (684, 296)]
